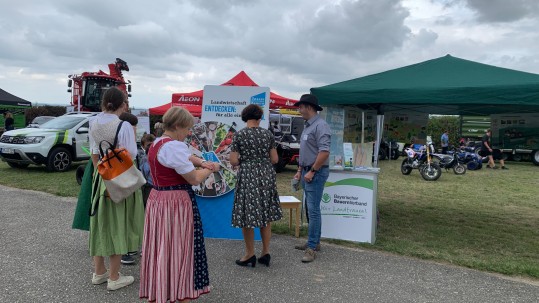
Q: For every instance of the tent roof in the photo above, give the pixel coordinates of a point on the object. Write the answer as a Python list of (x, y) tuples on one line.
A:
[(446, 85), (9, 99), (241, 79)]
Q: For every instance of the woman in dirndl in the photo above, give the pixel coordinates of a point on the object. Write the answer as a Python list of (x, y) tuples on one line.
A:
[(115, 228), (173, 265)]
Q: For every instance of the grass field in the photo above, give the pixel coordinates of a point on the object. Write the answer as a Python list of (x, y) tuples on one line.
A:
[(485, 219)]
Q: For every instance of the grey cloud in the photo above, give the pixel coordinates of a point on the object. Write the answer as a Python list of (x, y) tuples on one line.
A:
[(425, 38), (503, 10), (355, 28)]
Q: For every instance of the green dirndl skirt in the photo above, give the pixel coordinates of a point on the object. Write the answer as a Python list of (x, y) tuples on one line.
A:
[(81, 220), (115, 228)]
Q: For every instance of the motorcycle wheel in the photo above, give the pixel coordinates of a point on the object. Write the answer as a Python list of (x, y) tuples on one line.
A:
[(459, 169), (405, 168), (430, 172), (394, 154)]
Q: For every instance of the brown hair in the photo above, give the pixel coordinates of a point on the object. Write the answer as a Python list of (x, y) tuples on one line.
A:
[(9, 115), (147, 138), (251, 112), (177, 116), (129, 117), (113, 98)]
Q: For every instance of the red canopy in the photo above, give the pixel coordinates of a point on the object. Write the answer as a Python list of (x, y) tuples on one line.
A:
[(195, 110), (195, 98)]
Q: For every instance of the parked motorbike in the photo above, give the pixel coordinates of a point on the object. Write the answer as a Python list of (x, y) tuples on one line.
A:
[(421, 160), (451, 161), (388, 149)]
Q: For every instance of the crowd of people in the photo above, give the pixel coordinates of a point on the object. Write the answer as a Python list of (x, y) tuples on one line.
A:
[(161, 220)]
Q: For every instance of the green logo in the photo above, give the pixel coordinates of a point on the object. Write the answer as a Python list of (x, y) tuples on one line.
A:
[(326, 198)]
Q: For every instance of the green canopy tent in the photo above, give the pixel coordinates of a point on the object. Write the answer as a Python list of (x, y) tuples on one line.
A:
[(446, 85), (15, 105)]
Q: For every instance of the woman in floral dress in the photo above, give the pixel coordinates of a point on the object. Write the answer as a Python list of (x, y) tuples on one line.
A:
[(256, 202)]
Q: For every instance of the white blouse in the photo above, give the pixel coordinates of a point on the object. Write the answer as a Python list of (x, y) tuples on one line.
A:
[(126, 136), (175, 154)]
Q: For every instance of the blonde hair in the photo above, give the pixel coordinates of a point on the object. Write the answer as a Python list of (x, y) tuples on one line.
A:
[(177, 116)]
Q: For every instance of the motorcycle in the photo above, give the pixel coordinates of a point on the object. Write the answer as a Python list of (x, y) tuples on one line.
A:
[(421, 160), (388, 149), (451, 161)]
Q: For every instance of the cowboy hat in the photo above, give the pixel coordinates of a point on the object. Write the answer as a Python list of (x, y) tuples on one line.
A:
[(310, 100)]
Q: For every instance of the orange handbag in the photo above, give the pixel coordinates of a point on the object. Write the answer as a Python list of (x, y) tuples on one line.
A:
[(116, 168)]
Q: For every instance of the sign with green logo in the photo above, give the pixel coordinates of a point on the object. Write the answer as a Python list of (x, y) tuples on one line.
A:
[(349, 206)]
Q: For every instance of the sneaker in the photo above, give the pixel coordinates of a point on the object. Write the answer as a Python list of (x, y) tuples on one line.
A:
[(503, 167), (309, 256), (122, 281), (132, 253), (304, 247), (128, 260), (100, 279)]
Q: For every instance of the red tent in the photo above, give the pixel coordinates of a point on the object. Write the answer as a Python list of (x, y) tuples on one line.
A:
[(195, 110), (194, 99)]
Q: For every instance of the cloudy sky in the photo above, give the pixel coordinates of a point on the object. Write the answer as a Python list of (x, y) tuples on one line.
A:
[(290, 46)]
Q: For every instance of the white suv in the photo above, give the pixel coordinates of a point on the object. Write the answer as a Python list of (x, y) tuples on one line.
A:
[(55, 143)]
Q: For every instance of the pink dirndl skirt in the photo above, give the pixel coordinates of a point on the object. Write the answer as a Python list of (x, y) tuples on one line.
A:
[(173, 263)]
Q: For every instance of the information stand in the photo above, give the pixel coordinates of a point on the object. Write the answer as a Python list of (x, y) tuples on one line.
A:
[(348, 205)]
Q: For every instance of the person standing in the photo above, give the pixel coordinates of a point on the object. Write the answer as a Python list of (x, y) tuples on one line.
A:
[(256, 201), (313, 169), (445, 141), (173, 265), (486, 149), (9, 122), (115, 228), (492, 154)]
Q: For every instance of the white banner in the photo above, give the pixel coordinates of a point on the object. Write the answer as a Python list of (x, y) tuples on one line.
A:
[(348, 206), (225, 103)]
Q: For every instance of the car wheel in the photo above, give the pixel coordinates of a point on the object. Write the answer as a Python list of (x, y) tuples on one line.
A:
[(59, 159), (80, 173), (17, 165), (535, 157)]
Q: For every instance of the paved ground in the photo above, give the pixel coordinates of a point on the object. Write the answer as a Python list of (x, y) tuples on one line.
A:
[(43, 260)]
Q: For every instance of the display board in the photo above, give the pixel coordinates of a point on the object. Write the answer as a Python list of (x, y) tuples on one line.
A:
[(406, 126), (348, 205), (211, 139), (334, 116)]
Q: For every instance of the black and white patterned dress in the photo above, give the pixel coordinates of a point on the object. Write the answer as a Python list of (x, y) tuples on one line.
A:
[(256, 201)]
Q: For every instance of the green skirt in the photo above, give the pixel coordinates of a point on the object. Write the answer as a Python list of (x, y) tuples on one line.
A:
[(115, 228), (81, 220)]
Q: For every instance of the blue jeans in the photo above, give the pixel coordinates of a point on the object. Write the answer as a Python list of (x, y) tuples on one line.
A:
[(313, 195)]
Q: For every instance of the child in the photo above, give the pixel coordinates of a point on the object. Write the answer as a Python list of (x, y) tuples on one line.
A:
[(143, 165)]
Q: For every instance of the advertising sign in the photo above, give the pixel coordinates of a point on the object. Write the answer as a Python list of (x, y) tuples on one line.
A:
[(225, 103), (515, 131), (211, 140), (348, 206), (404, 126), (334, 116)]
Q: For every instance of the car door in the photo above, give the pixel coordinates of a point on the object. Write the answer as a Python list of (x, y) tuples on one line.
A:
[(82, 140)]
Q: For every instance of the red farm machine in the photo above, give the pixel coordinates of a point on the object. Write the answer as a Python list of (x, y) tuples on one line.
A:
[(87, 88)]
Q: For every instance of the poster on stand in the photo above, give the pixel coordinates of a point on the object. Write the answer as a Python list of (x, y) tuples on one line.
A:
[(406, 126), (349, 206), (210, 139), (334, 116)]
